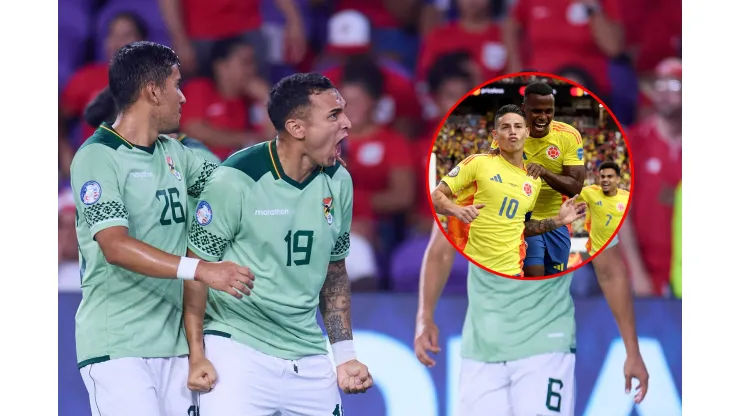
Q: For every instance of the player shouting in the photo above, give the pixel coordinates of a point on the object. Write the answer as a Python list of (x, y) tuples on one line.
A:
[(500, 184), (131, 184), (285, 208)]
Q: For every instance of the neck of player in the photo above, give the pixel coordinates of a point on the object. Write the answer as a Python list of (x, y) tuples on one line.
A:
[(515, 158), (295, 162), (612, 192), (137, 130)]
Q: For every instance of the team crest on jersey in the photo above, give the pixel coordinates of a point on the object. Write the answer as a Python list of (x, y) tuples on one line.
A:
[(527, 188), (328, 204), (90, 192), (171, 164), (454, 172), (203, 213), (553, 152), (621, 207)]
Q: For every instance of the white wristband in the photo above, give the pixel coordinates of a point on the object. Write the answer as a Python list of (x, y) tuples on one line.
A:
[(343, 351), (186, 269)]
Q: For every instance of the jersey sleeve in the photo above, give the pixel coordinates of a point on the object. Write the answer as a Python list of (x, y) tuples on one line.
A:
[(537, 187), (462, 175), (346, 201), (573, 149), (197, 171), (99, 197), (216, 218)]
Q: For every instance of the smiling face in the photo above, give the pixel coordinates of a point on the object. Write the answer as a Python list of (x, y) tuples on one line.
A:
[(609, 181), (539, 110)]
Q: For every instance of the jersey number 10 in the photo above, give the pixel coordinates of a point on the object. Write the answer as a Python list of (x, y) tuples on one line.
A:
[(299, 242), (511, 209)]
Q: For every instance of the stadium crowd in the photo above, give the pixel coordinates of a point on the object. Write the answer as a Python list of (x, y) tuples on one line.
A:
[(400, 64)]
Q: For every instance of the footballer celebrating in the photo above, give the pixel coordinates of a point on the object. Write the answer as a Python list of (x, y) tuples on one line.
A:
[(607, 205)]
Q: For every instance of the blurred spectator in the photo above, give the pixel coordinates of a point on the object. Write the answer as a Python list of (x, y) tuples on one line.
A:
[(378, 158), (228, 111), (653, 31), (196, 25), (646, 234), (282, 55), (87, 82), (66, 152), (559, 34), (475, 33), (361, 267), (350, 41), (69, 268), (437, 12), (676, 267)]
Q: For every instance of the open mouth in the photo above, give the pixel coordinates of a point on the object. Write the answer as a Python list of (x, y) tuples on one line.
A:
[(338, 147), (540, 125)]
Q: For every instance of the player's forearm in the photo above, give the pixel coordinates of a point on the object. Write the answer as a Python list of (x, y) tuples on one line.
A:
[(435, 271), (172, 16), (194, 308), (537, 227), (443, 205), (565, 184), (138, 257), (612, 276), (335, 303)]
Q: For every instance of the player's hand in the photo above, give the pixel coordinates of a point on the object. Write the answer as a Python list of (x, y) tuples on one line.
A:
[(571, 211), (202, 375), (535, 170), (427, 339), (226, 276), (468, 213), (353, 377), (634, 367)]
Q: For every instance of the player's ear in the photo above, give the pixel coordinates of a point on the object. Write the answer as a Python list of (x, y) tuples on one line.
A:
[(296, 128), (152, 92)]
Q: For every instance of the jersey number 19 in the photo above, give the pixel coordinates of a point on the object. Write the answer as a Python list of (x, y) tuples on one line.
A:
[(299, 242)]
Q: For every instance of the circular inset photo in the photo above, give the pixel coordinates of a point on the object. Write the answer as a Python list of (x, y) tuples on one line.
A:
[(530, 176)]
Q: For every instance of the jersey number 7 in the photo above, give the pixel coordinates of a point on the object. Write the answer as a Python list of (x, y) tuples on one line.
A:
[(299, 242)]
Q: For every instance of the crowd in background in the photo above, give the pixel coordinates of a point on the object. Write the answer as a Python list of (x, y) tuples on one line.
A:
[(401, 64)]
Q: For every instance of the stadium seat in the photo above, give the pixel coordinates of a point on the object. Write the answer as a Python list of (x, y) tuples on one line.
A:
[(406, 263), (148, 10)]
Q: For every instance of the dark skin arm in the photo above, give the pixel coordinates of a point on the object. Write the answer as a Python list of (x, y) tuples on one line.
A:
[(537, 227), (334, 303), (569, 183)]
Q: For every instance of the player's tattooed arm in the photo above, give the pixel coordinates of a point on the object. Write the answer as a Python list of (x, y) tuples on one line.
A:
[(537, 227), (334, 303), (570, 183)]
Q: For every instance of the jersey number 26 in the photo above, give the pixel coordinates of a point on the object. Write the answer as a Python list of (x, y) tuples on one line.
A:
[(171, 198)]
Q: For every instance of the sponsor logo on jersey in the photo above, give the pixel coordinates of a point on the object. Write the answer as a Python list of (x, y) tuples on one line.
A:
[(599, 203), (454, 172), (203, 213), (90, 192), (620, 206), (579, 152), (497, 178), (171, 164), (527, 188), (141, 174), (553, 152), (271, 212), (328, 204)]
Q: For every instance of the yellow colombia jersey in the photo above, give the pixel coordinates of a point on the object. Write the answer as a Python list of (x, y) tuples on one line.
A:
[(603, 216), (496, 238), (563, 146)]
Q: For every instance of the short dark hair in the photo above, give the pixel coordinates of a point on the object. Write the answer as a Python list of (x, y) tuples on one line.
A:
[(508, 108), (222, 49), (610, 165), (292, 94), (366, 73), (101, 109), (138, 22), (538, 88), (446, 67), (135, 65)]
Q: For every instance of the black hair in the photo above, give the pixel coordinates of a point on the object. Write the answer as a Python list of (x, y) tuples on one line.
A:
[(136, 65), (508, 108), (292, 95), (446, 67), (610, 165), (101, 109), (537, 88), (138, 22), (366, 73), (222, 50)]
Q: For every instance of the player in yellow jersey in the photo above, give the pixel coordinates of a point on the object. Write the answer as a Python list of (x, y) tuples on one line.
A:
[(553, 152), (607, 205), (500, 182)]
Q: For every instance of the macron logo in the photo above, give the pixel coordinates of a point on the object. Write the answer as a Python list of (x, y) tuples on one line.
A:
[(271, 212)]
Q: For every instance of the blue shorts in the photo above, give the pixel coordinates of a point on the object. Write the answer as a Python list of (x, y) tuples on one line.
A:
[(550, 249)]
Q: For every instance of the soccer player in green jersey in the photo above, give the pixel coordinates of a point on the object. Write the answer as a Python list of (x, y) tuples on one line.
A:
[(284, 208), (131, 228), (518, 341)]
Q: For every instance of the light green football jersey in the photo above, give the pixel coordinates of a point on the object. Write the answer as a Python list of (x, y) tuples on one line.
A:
[(286, 232), (202, 151), (124, 314), (511, 319)]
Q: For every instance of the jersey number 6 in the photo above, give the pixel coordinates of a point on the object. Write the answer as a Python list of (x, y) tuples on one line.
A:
[(299, 242), (172, 203)]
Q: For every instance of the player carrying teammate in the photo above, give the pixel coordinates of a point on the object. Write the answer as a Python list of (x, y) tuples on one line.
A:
[(606, 207), (500, 183), (554, 152), (131, 347), (285, 208), (518, 340)]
